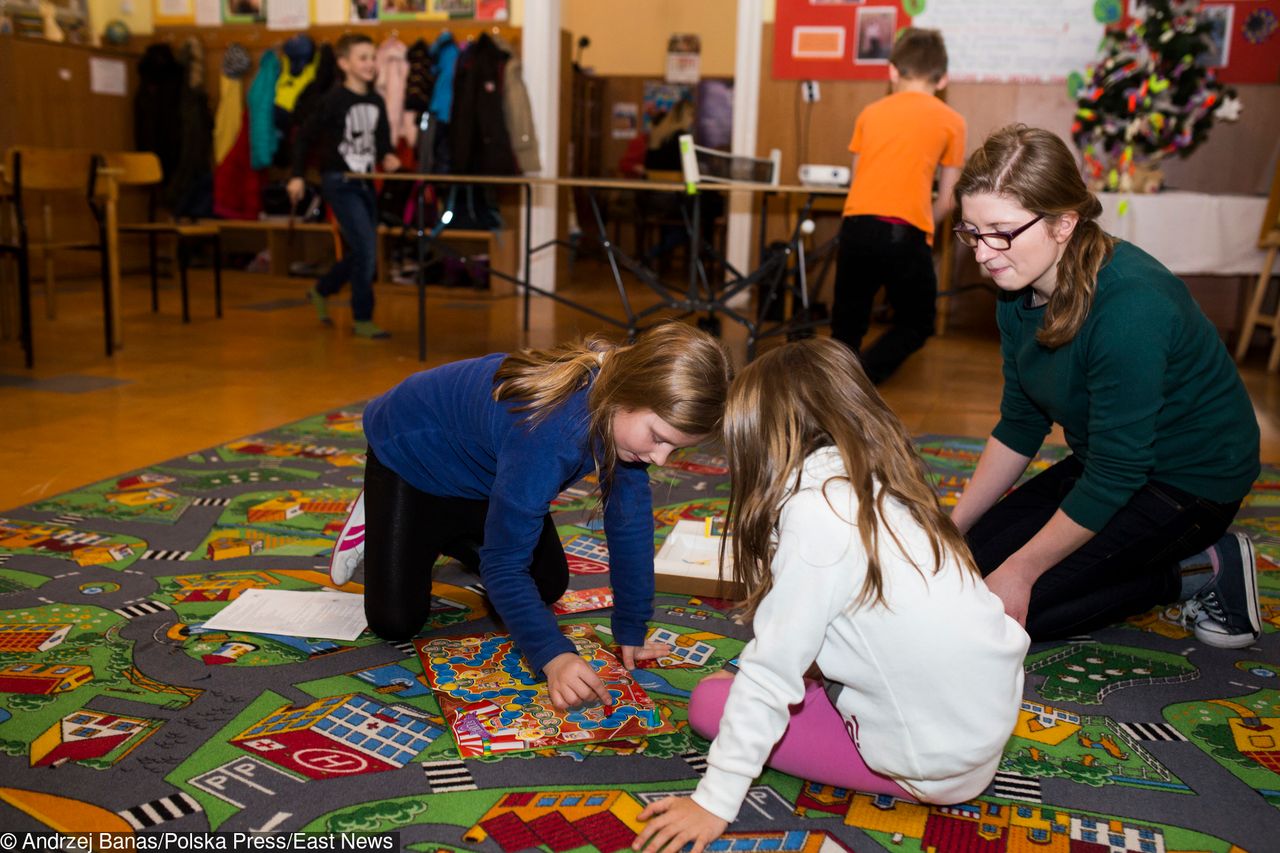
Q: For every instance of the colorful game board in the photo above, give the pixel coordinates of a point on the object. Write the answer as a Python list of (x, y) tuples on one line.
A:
[(494, 704)]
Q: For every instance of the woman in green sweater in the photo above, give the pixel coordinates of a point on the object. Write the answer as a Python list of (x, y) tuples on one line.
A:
[(1099, 337)]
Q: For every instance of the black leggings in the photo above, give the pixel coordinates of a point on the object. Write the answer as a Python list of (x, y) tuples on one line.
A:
[(407, 529), (1130, 566)]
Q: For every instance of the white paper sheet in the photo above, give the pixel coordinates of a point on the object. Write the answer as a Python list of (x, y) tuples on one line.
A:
[(288, 14), (322, 614), (689, 552), (108, 76), (209, 13)]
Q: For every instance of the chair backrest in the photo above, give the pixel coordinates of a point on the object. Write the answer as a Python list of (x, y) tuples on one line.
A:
[(700, 164), (134, 168), (49, 169)]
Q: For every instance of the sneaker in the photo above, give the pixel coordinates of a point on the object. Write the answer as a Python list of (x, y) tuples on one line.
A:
[(349, 552), (370, 329), (321, 304), (1225, 613)]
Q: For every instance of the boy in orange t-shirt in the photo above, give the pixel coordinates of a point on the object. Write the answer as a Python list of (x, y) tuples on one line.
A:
[(898, 144)]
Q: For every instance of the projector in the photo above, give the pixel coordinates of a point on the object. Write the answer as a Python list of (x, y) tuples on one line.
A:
[(824, 176)]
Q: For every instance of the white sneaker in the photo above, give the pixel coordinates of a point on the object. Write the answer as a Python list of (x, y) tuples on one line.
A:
[(349, 552)]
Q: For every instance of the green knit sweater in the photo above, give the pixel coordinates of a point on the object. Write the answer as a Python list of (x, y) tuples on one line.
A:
[(1144, 392)]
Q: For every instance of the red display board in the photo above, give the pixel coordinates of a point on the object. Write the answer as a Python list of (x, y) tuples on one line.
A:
[(835, 39)]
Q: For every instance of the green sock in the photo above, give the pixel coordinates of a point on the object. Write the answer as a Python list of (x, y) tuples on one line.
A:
[(320, 303), (370, 329)]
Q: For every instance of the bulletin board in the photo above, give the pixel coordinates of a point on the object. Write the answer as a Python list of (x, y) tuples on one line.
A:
[(998, 40)]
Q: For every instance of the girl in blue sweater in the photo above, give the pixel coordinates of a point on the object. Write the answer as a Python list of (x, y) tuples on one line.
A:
[(465, 460)]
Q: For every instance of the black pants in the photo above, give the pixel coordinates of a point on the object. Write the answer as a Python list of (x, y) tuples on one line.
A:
[(875, 253), (407, 529), (1130, 566)]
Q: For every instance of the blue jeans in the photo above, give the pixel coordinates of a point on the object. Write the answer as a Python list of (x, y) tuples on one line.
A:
[(1130, 566), (356, 209)]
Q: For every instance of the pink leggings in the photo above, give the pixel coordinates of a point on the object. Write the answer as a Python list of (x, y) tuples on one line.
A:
[(815, 746)]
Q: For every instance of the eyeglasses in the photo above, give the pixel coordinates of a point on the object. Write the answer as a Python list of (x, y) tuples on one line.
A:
[(998, 240)]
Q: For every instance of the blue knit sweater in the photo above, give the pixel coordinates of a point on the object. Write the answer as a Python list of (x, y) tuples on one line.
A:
[(443, 433)]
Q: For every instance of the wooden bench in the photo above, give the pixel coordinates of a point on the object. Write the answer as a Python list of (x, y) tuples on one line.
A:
[(500, 246)]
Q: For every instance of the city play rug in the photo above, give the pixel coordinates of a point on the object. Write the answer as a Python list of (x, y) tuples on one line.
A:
[(119, 712)]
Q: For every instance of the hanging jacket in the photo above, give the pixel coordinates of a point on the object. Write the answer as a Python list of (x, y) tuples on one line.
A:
[(422, 78), (444, 54), (392, 60), (264, 137), (289, 85), (229, 117), (481, 145), (188, 188), (156, 105), (518, 112), (236, 185), (309, 99)]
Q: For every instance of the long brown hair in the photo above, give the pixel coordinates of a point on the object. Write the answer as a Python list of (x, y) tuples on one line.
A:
[(673, 370), (1034, 168), (792, 401)]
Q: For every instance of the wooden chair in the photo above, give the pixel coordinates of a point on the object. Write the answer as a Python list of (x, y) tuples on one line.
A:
[(142, 169), (1269, 239), (50, 170)]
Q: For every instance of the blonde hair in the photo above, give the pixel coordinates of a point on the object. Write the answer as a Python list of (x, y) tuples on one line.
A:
[(673, 370), (1034, 168), (792, 401)]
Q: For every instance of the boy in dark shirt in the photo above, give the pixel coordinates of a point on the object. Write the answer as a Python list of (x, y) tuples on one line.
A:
[(350, 127)]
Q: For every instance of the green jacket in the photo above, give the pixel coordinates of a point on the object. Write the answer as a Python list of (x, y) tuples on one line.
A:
[(1146, 391)]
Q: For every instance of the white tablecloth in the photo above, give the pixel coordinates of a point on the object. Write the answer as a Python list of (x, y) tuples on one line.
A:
[(1190, 233)]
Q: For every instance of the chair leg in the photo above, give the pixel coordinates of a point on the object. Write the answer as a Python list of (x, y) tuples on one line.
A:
[(155, 285), (108, 315), (50, 294), (217, 276), (1253, 317), (182, 273), (24, 304)]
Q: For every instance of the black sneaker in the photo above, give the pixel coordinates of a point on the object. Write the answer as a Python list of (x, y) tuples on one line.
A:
[(1226, 613)]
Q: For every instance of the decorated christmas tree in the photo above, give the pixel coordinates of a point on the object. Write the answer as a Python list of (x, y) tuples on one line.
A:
[(1150, 95)]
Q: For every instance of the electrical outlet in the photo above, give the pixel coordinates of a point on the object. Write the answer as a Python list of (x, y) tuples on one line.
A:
[(809, 91)]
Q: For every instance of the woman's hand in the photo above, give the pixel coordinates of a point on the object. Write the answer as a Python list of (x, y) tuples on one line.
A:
[(1014, 590), (571, 681), (649, 651), (390, 163), (674, 822)]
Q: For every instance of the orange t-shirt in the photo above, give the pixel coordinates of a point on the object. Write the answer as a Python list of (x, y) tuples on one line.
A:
[(900, 141)]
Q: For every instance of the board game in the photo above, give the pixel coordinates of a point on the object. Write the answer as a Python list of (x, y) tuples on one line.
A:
[(493, 704)]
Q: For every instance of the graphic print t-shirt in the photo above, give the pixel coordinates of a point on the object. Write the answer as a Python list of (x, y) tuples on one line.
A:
[(349, 130)]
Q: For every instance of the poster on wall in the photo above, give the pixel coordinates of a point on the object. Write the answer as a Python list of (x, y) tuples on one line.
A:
[(173, 13), (684, 58), (364, 11), (289, 14), (659, 98), (408, 10), (243, 11), (624, 122)]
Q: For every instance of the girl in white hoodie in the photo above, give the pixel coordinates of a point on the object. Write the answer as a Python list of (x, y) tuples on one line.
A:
[(854, 574)]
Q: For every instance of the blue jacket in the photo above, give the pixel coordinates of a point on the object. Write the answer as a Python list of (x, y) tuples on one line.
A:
[(264, 136), (444, 52), (444, 434)]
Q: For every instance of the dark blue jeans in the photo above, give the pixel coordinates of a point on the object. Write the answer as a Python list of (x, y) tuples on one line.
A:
[(356, 209), (874, 254), (1130, 566)]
